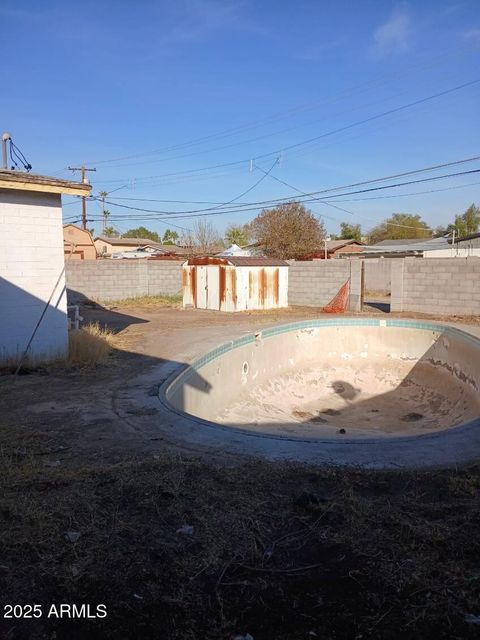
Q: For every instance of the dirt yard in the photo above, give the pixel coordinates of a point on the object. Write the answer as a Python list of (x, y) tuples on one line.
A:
[(183, 546)]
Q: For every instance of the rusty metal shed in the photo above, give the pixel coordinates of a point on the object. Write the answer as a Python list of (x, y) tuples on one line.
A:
[(235, 283)]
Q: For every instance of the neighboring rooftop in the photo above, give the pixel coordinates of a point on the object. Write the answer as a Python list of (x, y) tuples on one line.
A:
[(134, 242), (336, 244), (22, 181), (403, 241), (141, 242), (409, 247)]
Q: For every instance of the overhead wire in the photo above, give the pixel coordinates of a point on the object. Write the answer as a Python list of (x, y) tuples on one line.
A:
[(262, 178), (312, 142), (287, 184), (317, 138), (385, 78), (244, 193), (188, 174), (330, 189), (412, 193), (180, 215)]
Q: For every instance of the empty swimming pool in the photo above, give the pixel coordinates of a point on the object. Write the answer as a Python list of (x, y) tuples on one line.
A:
[(335, 379)]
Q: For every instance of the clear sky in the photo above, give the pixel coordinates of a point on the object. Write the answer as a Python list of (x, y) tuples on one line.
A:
[(153, 93)]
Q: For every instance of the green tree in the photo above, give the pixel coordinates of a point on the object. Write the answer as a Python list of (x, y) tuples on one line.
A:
[(110, 232), (400, 226), (288, 231), (468, 222), (350, 231), (142, 232), (238, 234), (170, 237)]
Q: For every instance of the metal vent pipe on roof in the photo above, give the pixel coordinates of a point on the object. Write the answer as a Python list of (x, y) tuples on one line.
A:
[(5, 138)]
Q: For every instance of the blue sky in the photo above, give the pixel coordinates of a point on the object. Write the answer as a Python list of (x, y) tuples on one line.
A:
[(130, 88)]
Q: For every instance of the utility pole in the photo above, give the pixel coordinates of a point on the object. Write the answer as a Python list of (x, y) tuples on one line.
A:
[(83, 169)]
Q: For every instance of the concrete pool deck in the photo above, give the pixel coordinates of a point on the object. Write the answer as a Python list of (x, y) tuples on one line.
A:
[(138, 405)]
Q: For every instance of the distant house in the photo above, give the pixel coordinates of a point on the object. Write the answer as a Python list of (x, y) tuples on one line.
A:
[(466, 247), (334, 249), (78, 243), (107, 246), (330, 249)]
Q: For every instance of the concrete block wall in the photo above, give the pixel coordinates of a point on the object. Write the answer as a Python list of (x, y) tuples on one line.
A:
[(443, 286), (377, 274), (111, 280), (31, 271), (316, 283)]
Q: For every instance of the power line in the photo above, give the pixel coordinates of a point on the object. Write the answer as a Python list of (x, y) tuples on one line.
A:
[(314, 139), (179, 215), (328, 133), (222, 204), (99, 219), (398, 195), (324, 191), (187, 172), (328, 204), (244, 193), (412, 193), (383, 79)]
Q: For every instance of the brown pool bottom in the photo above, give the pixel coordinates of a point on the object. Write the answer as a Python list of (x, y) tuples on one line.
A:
[(356, 401)]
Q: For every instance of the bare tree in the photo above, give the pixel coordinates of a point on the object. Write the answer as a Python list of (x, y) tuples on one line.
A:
[(205, 235), (288, 231)]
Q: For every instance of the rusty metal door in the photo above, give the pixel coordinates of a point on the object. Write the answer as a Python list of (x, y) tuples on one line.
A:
[(213, 288), (201, 302)]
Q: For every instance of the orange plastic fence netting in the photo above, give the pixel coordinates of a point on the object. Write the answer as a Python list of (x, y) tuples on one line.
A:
[(340, 301)]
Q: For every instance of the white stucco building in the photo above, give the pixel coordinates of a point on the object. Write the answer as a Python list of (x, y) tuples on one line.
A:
[(466, 247), (32, 269)]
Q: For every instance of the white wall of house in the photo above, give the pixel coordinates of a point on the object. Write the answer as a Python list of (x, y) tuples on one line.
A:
[(31, 267), (459, 251)]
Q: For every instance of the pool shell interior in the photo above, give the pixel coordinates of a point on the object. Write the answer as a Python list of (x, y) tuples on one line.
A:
[(334, 379)]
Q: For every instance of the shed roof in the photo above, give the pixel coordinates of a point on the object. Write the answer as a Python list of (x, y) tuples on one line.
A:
[(237, 261), (253, 261), (22, 181)]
